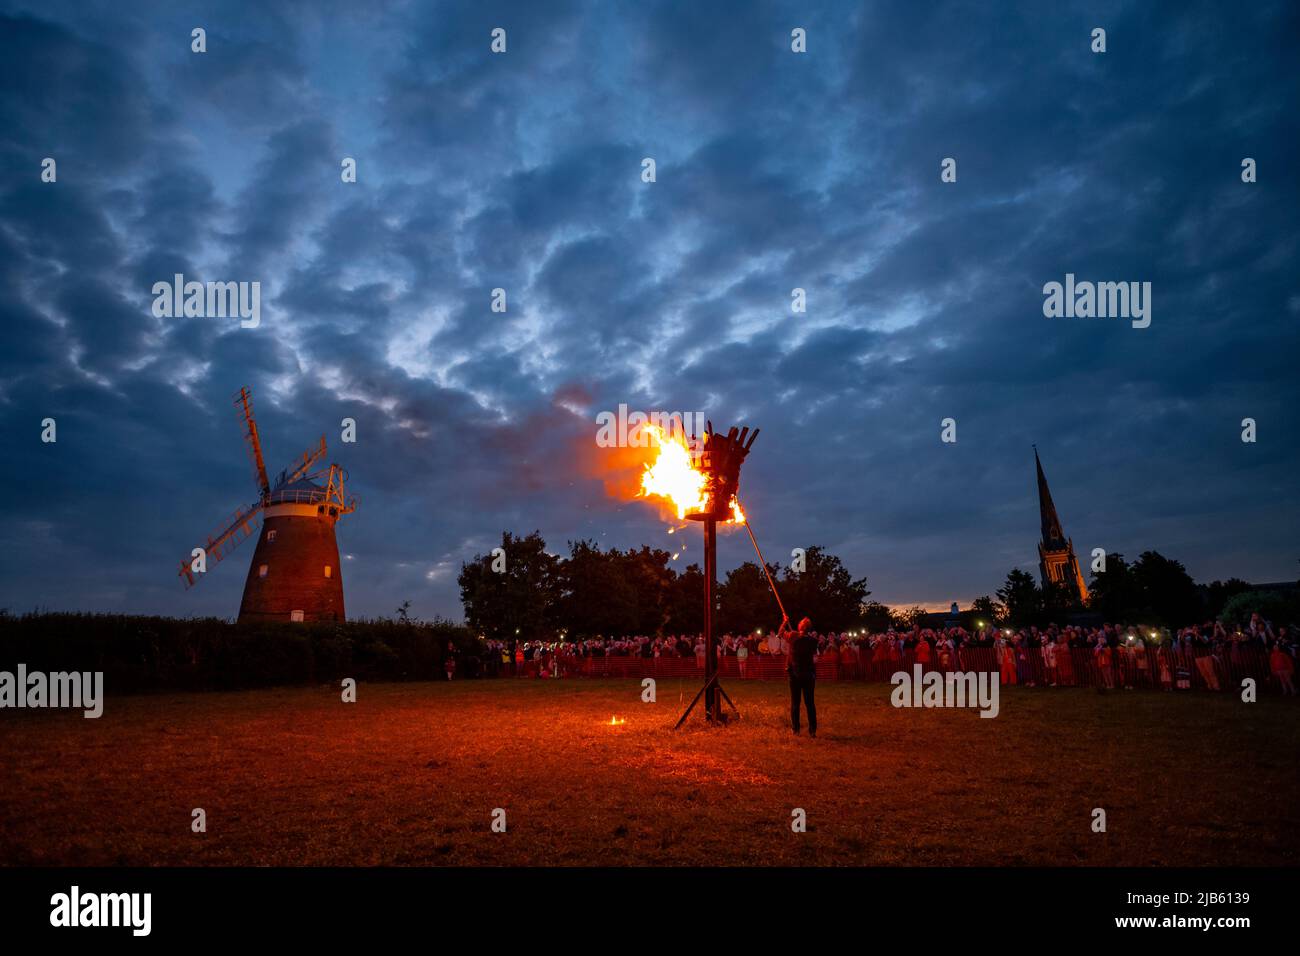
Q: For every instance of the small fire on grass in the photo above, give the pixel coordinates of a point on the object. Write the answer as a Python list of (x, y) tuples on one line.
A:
[(616, 721)]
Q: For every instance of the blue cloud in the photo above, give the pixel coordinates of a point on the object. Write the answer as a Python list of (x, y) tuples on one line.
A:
[(522, 172)]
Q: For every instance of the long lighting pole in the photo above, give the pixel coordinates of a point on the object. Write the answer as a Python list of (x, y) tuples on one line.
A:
[(712, 707), (762, 562)]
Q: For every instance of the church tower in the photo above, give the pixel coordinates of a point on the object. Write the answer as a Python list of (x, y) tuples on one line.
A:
[(1056, 561)]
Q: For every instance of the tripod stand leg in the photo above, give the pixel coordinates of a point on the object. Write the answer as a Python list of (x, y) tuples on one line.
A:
[(713, 682), (696, 700)]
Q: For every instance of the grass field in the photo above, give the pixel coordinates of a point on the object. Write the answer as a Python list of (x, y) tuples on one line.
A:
[(411, 773)]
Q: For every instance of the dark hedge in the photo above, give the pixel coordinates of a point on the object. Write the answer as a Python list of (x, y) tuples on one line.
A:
[(160, 653)]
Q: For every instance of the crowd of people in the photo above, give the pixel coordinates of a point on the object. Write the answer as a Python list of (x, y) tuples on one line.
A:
[(1108, 656)]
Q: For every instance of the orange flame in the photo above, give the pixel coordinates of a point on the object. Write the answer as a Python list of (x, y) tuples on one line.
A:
[(673, 476)]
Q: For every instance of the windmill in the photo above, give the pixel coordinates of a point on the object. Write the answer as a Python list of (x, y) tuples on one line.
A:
[(295, 572)]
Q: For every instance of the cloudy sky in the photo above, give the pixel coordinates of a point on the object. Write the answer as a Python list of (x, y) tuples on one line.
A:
[(523, 171)]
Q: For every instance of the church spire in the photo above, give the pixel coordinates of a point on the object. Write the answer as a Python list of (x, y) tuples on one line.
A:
[(1057, 563), (1053, 536)]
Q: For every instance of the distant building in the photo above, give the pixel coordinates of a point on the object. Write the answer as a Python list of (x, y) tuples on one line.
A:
[(1057, 563), (953, 617)]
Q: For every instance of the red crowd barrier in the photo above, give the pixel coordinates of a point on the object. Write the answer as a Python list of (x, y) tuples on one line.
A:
[(1154, 668)]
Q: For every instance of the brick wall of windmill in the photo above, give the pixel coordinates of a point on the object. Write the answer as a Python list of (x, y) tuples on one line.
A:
[(295, 551)]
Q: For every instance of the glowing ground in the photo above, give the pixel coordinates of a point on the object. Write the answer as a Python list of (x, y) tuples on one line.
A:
[(411, 774)]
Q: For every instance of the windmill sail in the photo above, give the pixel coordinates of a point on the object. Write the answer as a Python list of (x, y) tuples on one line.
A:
[(245, 402), (301, 465), (222, 542)]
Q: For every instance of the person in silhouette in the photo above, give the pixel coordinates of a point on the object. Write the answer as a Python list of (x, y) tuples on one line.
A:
[(800, 665)]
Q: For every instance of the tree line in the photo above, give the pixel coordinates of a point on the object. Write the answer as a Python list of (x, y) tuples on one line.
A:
[(522, 591), (1153, 589), (525, 592)]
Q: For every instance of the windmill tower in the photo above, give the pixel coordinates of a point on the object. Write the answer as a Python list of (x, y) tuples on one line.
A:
[(295, 573)]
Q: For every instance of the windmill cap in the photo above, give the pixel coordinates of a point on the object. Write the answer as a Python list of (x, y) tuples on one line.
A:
[(301, 491)]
